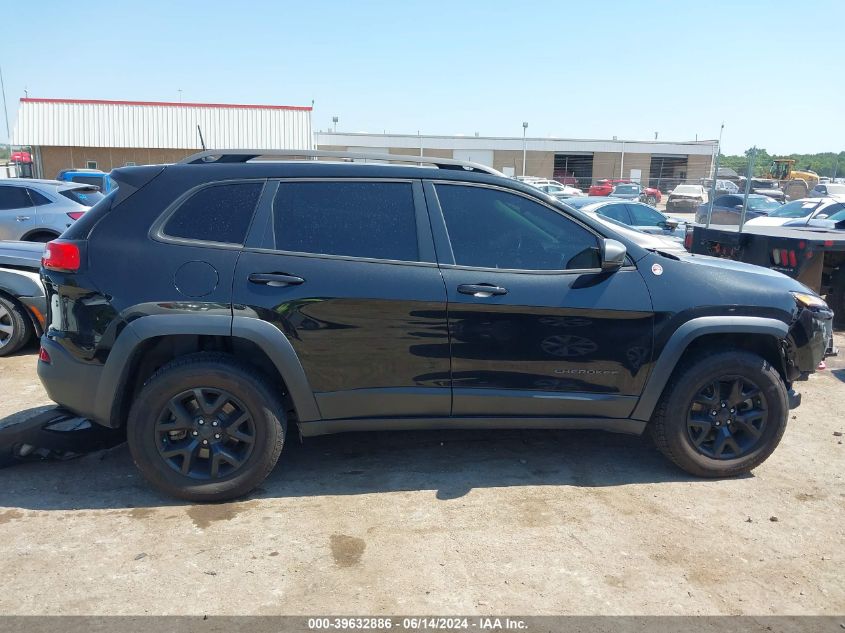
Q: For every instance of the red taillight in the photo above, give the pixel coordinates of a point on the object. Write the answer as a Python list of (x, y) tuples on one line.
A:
[(75, 215), (688, 241), (61, 256), (44, 356), (793, 260)]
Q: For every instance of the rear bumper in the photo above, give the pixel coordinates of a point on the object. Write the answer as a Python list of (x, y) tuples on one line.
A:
[(69, 382)]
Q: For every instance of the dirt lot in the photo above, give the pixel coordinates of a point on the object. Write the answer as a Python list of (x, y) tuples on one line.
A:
[(458, 522)]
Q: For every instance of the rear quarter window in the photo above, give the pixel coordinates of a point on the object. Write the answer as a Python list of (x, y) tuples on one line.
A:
[(217, 213)]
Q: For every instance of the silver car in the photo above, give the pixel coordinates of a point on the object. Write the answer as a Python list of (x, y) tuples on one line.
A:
[(40, 210)]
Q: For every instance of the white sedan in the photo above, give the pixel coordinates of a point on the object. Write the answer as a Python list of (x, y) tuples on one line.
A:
[(804, 209)]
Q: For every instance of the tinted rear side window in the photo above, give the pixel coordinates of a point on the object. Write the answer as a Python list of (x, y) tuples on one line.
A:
[(355, 219), (96, 181), (86, 197), (220, 213)]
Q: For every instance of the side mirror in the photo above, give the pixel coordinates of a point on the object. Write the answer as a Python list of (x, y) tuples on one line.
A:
[(738, 207), (612, 255), (670, 223), (821, 216)]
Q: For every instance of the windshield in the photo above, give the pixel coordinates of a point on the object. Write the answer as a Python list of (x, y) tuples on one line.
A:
[(763, 203), (795, 209), (86, 196)]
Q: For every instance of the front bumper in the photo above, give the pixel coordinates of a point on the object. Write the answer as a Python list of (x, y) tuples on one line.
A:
[(808, 342)]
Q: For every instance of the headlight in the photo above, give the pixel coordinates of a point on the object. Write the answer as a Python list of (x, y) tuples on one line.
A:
[(809, 301)]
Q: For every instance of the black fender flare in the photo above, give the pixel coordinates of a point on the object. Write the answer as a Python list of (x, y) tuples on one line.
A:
[(680, 341), (268, 337)]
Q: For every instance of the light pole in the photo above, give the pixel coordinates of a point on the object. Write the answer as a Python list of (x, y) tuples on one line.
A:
[(715, 176), (524, 130), (334, 124)]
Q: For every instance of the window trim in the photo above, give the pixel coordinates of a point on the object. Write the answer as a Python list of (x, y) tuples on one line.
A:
[(437, 217), (157, 233), (89, 163), (263, 225)]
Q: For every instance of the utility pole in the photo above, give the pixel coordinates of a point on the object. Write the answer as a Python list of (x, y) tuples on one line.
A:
[(524, 130), (5, 111), (715, 175), (748, 174)]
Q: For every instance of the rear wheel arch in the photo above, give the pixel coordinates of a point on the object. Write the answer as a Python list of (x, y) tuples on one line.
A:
[(150, 342), (39, 235)]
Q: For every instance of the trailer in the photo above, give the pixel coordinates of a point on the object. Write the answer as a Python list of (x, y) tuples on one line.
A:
[(815, 256)]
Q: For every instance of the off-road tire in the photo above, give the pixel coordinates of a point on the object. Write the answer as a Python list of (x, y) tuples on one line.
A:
[(12, 315), (211, 371), (668, 426)]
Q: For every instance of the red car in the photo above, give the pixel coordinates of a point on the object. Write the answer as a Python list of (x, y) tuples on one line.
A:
[(650, 195)]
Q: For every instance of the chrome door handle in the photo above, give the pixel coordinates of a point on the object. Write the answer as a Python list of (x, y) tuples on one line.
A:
[(482, 291), (276, 279), (23, 218)]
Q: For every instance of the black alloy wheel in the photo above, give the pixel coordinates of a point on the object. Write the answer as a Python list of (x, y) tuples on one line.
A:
[(205, 433), (727, 418)]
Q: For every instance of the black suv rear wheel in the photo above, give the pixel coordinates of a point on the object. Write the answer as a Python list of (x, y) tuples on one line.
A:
[(206, 428), (722, 414)]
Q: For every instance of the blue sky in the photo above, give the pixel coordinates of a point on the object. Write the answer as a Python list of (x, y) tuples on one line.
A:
[(571, 69)]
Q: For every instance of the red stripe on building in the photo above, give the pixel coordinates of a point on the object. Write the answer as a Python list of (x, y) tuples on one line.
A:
[(166, 103)]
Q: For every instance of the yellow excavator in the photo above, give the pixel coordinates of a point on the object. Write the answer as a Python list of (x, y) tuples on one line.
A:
[(794, 183)]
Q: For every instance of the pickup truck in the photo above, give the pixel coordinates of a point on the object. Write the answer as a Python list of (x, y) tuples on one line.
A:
[(814, 255)]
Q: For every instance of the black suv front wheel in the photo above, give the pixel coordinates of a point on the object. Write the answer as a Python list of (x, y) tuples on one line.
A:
[(722, 414), (206, 428)]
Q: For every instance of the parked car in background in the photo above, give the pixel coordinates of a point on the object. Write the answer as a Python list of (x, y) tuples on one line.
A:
[(635, 191), (40, 210), (558, 190), (93, 177), (633, 213), (22, 303), (726, 186), (605, 186), (727, 209), (827, 189), (764, 187), (686, 198), (835, 221), (800, 212)]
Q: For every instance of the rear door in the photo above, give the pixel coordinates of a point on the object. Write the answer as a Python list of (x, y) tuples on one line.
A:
[(345, 268), (537, 329), (17, 213)]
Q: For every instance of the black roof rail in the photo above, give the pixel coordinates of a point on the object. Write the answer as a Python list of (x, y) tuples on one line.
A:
[(215, 156)]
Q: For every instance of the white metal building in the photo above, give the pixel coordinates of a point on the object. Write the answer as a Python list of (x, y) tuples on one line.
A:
[(79, 133), (581, 160)]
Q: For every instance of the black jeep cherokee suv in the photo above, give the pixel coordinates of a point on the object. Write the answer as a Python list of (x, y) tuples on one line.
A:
[(211, 305)]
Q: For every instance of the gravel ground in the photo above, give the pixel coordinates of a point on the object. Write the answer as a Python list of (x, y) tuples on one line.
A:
[(457, 522)]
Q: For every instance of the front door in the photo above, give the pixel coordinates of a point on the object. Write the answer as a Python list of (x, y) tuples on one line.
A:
[(536, 328), (346, 270)]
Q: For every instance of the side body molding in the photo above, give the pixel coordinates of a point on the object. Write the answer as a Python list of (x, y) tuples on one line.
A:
[(686, 334), (269, 338)]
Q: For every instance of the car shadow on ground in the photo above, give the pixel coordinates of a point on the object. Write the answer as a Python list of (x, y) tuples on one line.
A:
[(451, 463)]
